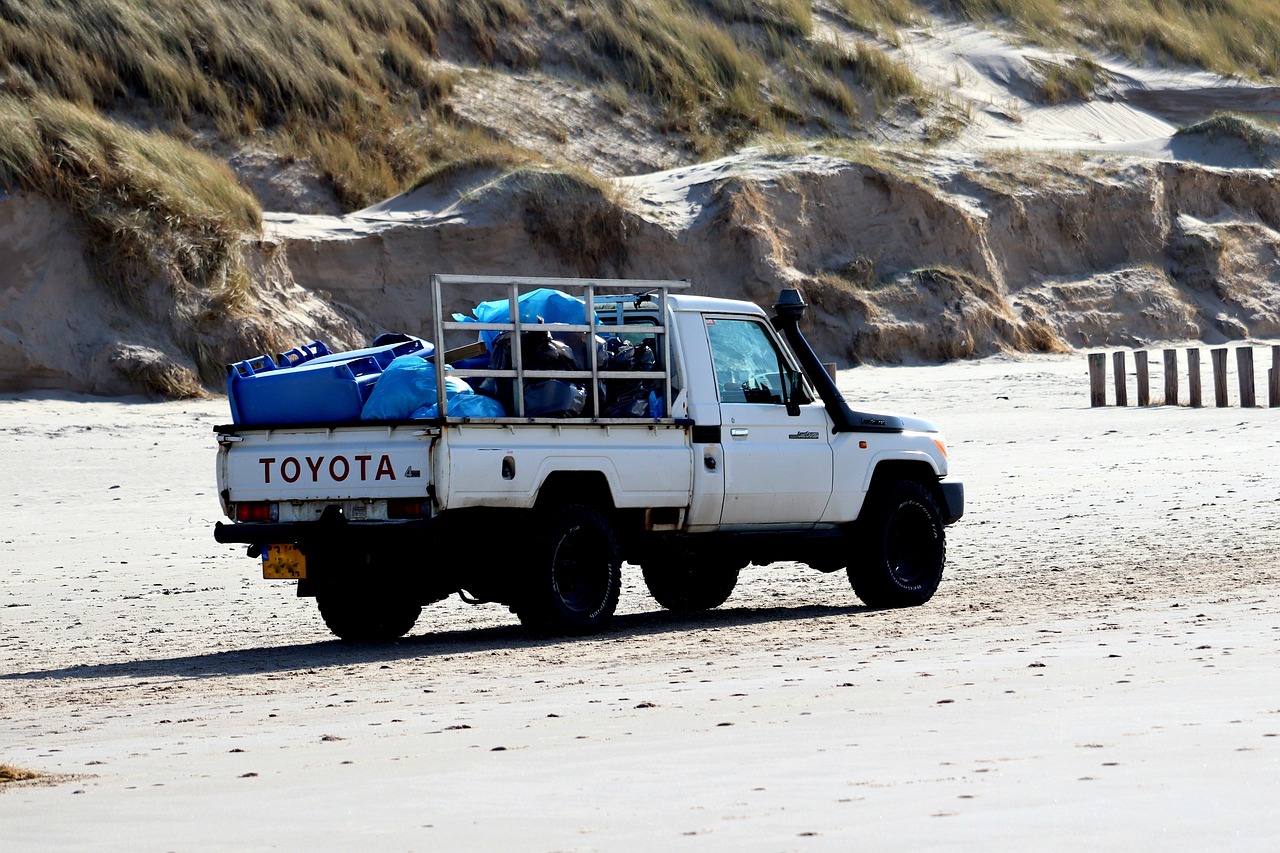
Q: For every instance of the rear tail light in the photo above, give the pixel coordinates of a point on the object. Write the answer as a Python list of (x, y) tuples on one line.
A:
[(408, 508), (257, 511)]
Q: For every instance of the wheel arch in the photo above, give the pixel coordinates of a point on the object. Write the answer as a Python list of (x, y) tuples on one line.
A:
[(920, 470), (582, 487)]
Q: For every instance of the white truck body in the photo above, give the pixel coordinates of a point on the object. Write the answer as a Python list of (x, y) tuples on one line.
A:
[(736, 461)]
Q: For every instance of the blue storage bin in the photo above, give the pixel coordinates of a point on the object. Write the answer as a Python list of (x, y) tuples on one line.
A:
[(385, 349), (316, 391), (291, 358), (250, 366), (306, 352)]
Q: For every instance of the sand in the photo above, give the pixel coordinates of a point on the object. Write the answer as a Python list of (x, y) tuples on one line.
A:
[(1136, 109), (1095, 670)]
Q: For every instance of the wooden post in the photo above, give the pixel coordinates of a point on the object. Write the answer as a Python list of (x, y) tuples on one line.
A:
[(1097, 379), (1193, 377), (830, 367), (1244, 369), (1273, 379), (1171, 377), (1219, 357), (1122, 386), (1144, 378)]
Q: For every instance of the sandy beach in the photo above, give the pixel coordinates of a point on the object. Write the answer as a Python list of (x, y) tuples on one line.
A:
[(1096, 670)]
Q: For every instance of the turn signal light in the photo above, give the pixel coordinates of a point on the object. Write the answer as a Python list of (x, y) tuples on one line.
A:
[(257, 511), (407, 508)]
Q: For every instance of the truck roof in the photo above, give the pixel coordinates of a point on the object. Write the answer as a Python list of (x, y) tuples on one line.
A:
[(713, 305)]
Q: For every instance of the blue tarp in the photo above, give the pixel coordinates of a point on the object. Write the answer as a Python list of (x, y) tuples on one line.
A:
[(407, 384), (464, 406), (553, 306)]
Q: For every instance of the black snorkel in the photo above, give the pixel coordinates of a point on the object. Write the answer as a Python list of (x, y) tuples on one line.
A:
[(788, 311)]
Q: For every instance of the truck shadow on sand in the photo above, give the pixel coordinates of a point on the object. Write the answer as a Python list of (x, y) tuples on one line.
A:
[(307, 656)]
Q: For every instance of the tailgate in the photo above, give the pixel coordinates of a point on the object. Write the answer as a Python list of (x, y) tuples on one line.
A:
[(319, 463)]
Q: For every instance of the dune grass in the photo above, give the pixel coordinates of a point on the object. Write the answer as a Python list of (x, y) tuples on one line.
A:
[(334, 81), (151, 206), (356, 87), (1231, 37)]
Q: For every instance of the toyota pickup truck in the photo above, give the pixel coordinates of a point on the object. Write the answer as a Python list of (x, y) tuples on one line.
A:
[(746, 453)]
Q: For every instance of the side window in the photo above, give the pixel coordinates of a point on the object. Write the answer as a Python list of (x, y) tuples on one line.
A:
[(748, 366)]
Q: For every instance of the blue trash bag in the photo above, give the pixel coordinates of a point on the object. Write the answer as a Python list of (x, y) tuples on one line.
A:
[(464, 406), (553, 306), (655, 405), (408, 383)]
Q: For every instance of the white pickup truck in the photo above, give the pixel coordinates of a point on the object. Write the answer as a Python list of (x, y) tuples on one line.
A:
[(750, 455)]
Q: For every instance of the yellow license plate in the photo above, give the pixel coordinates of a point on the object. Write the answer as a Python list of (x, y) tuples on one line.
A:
[(283, 561)]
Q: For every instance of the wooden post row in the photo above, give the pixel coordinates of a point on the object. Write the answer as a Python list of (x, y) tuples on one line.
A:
[(1097, 379), (1219, 357)]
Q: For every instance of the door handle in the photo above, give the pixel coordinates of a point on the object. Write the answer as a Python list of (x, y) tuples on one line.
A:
[(738, 432)]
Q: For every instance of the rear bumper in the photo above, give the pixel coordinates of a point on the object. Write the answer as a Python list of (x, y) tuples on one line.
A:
[(315, 532), (953, 501)]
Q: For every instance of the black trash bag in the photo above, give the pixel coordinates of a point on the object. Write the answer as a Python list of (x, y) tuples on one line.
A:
[(540, 352), (627, 398), (577, 341), (553, 398)]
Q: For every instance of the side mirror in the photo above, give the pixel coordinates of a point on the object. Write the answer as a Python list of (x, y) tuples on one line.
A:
[(793, 395)]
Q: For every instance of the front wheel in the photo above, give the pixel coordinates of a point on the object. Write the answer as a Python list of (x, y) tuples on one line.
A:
[(359, 617), (573, 578), (902, 548)]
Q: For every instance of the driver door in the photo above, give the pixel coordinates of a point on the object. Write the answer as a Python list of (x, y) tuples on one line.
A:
[(777, 466)]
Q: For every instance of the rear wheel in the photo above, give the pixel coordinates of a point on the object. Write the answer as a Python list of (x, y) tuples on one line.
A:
[(901, 547), (684, 581), (572, 582), (361, 617)]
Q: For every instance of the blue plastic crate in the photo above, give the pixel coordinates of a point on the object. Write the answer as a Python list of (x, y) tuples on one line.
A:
[(312, 392), (298, 355), (385, 349)]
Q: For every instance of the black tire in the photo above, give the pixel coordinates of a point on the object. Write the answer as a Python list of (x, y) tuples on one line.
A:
[(901, 548), (685, 583), (574, 573), (359, 617)]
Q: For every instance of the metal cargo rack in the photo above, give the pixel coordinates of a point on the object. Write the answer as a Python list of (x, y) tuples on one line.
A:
[(592, 291)]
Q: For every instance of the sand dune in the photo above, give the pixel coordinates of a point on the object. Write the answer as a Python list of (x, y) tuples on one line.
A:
[(1040, 227)]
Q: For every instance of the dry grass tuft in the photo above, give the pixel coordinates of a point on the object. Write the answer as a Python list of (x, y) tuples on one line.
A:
[(9, 773), (1073, 80), (574, 215), (483, 165), (1261, 138), (156, 372), (877, 17)]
